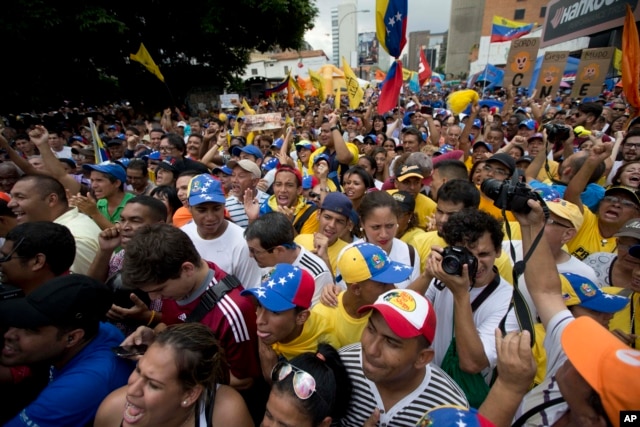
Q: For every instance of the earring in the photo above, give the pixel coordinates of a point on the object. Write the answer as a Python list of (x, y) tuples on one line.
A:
[(185, 402)]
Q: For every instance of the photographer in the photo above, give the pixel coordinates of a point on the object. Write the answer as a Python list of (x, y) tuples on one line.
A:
[(470, 299)]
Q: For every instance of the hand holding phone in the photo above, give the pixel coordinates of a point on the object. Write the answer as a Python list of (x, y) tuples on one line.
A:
[(426, 109), (130, 350)]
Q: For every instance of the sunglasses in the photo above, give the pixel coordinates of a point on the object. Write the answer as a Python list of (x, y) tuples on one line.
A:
[(623, 202), (304, 385), (313, 195)]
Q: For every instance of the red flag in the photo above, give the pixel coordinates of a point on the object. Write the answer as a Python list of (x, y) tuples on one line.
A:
[(424, 70), (630, 59), (390, 88)]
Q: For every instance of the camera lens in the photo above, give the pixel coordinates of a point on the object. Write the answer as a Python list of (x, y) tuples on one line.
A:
[(491, 187), (451, 265)]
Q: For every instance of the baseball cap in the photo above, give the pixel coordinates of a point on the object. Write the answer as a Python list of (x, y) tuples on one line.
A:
[(536, 135), (605, 362), (547, 192), (247, 149), (407, 313), (308, 182), (278, 143), (529, 124), (453, 415), (321, 156), (630, 229), (566, 210), (69, 162), (182, 124), (504, 159), (411, 104), (204, 188), (405, 201), (87, 152), (527, 159), (109, 168), (224, 169), (409, 171), (171, 164), (477, 123), (305, 143), (287, 168), (337, 202), (154, 155), (284, 287), (70, 299), (623, 189), (270, 164), (486, 145), (247, 165), (112, 127), (359, 138), (578, 290), (365, 261)]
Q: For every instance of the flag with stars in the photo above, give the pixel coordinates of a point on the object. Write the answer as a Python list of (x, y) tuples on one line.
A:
[(391, 25)]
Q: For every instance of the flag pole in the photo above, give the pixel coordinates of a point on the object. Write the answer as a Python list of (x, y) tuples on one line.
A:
[(486, 66)]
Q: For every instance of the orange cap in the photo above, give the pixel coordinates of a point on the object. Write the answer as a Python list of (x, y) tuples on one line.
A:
[(609, 366), (4, 196)]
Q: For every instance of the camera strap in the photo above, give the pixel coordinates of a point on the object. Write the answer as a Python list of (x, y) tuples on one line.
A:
[(210, 298)]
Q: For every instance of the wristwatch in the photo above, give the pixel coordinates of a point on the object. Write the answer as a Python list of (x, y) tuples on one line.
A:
[(335, 128)]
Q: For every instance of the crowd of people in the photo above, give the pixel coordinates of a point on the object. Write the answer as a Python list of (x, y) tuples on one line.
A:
[(416, 267)]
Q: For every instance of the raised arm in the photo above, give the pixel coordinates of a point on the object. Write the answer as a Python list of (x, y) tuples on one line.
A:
[(40, 137), (600, 152), (343, 155)]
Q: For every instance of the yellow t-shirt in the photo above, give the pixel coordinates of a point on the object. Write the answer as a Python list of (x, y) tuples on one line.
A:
[(543, 176), (306, 241), (486, 204), (317, 329), (425, 208), (353, 148), (348, 330), (410, 235), (588, 240), (622, 319)]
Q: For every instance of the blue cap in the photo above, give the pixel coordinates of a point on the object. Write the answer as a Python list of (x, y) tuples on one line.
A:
[(270, 164), (285, 287), (337, 202), (77, 138), (485, 144), (305, 143), (278, 143), (450, 415), (445, 148), (224, 169), (121, 136), (124, 162), (584, 293), (112, 127), (249, 149), (547, 192), (366, 261), (154, 155), (307, 182), (109, 168), (322, 156), (529, 123), (204, 188), (477, 123)]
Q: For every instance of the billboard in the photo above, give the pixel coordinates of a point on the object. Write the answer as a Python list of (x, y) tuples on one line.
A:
[(570, 19), (368, 49)]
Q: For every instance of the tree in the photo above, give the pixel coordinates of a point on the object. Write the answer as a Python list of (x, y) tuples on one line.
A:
[(56, 49)]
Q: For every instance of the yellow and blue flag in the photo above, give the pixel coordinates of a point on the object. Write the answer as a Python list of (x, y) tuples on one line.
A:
[(391, 25), (504, 30), (99, 149)]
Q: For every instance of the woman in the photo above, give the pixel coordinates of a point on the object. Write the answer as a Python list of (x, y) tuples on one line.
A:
[(356, 183), (379, 125), (369, 164), (407, 223), (311, 390), (177, 382), (169, 196), (476, 174), (617, 125), (380, 156), (389, 144), (628, 175)]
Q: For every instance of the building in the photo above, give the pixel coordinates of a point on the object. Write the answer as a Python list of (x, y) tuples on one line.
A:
[(465, 27), (433, 45), (344, 32)]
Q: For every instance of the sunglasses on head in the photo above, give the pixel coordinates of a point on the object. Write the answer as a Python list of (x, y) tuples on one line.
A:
[(304, 385)]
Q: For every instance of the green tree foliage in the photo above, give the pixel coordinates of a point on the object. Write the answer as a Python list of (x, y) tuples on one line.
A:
[(59, 49)]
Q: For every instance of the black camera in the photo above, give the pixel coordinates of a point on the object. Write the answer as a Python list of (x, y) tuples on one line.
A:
[(454, 257), (557, 132), (511, 195), (10, 292)]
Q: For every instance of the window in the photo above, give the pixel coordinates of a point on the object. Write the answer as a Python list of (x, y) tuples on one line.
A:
[(286, 69), (543, 11), (254, 71), (519, 14)]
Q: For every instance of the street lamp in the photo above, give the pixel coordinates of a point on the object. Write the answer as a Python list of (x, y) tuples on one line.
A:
[(340, 26)]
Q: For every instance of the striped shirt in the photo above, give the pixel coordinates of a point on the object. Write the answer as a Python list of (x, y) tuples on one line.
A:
[(235, 207), (436, 389), (317, 268)]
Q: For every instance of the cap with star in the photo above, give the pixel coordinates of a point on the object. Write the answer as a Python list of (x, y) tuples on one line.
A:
[(204, 188), (365, 261), (578, 290), (284, 287)]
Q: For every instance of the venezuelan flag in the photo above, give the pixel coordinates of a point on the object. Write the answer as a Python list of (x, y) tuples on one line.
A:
[(390, 88), (391, 25), (279, 88), (99, 149), (504, 30)]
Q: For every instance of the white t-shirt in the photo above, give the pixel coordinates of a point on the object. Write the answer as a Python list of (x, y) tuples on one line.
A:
[(317, 268), (229, 252), (65, 153)]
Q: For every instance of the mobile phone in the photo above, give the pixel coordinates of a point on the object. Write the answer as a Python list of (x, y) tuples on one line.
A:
[(426, 109), (130, 350)]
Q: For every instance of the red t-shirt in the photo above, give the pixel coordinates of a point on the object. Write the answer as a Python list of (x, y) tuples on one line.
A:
[(233, 320)]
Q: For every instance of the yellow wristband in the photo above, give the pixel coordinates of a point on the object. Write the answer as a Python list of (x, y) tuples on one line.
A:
[(153, 315)]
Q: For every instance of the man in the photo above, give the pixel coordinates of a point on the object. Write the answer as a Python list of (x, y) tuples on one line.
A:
[(9, 174), (412, 140), (630, 148), (107, 186), (194, 142), (285, 325), (270, 242), (368, 272), (116, 148), (470, 303), (57, 144), (342, 155), (409, 179), (175, 272), (334, 218), (155, 136), (526, 128), (172, 145), (183, 215), (138, 177), (216, 238), (43, 198), (575, 367), (453, 136), (393, 378), (59, 324), (586, 116), (244, 183), (287, 198), (25, 146), (444, 171), (500, 167), (248, 152)]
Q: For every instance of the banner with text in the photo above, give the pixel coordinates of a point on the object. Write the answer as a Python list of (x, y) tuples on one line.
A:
[(268, 121), (521, 62), (551, 72), (592, 70)]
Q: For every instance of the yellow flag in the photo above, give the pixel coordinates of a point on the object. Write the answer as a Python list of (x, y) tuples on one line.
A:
[(145, 59), (318, 82), (294, 84), (617, 61), (354, 91), (337, 99)]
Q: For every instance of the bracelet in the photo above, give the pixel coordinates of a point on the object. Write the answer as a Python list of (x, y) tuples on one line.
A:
[(335, 128), (153, 315)]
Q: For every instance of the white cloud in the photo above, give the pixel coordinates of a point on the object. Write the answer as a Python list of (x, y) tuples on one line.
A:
[(423, 15)]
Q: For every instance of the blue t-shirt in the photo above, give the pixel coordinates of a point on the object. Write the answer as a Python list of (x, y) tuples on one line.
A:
[(75, 392), (590, 197)]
